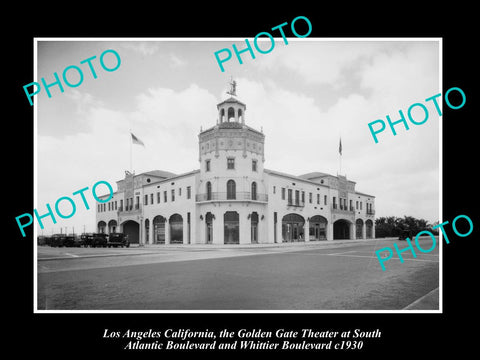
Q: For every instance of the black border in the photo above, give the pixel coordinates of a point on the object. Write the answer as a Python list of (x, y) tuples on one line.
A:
[(402, 334)]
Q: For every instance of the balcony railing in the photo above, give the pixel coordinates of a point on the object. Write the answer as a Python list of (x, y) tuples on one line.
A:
[(129, 209), (238, 196), (370, 212), (342, 209), (298, 203)]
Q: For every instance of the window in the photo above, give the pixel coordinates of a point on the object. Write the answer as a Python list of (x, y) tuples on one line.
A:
[(115, 204), (165, 196), (158, 197), (209, 190), (145, 200), (121, 205), (230, 163), (137, 202), (303, 197), (189, 192), (351, 205), (231, 190), (274, 189), (207, 165), (297, 195), (151, 199), (325, 200), (334, 202), (310, 197), (318, 199), (173, 194), (360, 205), (356, 204), (254, 190), (290, 196), (254, 165), (283, 193), (179, 191)]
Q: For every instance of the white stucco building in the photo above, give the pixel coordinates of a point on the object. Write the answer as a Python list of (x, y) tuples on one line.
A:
[(232, 199)]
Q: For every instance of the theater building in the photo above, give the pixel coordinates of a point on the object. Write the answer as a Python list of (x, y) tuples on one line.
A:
[(233, 199)]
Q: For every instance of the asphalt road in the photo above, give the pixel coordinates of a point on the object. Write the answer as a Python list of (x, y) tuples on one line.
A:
[(322, 276)]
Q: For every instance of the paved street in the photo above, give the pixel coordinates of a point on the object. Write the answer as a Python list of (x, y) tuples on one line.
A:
[(338, 275)]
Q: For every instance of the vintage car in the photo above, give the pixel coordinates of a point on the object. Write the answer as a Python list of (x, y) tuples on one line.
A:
[(56, 240), (87, 239), (100, 240), (70, 241), (118, 239)]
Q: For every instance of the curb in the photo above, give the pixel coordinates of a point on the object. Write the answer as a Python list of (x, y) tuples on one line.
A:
[(300, 245)]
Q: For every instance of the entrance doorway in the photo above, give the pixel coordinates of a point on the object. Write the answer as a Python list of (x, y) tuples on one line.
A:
[(341, 229), (176, 229), (254, 228), (292, 228), (318, 228), (209, 228), (132, 230), (359, 228), (159, 229), (231, 228)]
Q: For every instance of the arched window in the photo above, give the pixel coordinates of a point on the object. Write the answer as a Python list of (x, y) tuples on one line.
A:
[(231, 114), (222, 115), (240, 115), (254, 190), (209, 190), (231, 190)]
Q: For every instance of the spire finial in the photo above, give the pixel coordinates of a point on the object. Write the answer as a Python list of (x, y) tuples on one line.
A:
[(233, 87)]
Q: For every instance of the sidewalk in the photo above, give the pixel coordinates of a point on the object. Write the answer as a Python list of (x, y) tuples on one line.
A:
[(301, 244), (427, 302)]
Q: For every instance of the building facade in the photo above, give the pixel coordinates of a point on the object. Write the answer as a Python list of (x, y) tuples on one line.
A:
[(232, 199)]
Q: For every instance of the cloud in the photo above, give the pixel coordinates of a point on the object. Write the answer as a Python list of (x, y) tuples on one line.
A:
[(167, 122), (320, 62), (144, 48), (302, 132), (83, 100), (176, 61)]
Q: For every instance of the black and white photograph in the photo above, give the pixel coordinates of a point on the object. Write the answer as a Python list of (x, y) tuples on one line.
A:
[(238, 190), (285, 188)]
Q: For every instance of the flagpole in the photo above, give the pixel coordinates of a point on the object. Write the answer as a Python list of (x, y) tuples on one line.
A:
[(340, 154), (131, 167)]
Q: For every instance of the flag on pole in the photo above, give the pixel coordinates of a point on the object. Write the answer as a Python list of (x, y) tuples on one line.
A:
[(136, 140), (340, 147)]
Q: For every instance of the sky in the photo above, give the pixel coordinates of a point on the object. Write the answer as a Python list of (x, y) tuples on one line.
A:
[(305, 95)]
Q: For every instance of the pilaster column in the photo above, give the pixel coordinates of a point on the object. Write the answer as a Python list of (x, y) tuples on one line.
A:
[(330, 231), (167, 232), (306, 230), (218, 231)]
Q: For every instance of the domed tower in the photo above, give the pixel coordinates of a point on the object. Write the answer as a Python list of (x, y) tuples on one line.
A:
[(231, 156)]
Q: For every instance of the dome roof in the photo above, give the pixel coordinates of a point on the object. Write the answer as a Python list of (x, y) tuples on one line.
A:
[(230, 100)]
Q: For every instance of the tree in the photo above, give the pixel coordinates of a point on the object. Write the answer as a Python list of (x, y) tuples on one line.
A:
[(392, 226)]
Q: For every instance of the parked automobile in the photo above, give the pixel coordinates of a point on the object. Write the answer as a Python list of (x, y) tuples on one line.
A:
[(100, 240), (57, 240), (41, 240), (69, 241), (87, 239), (118, 239)]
